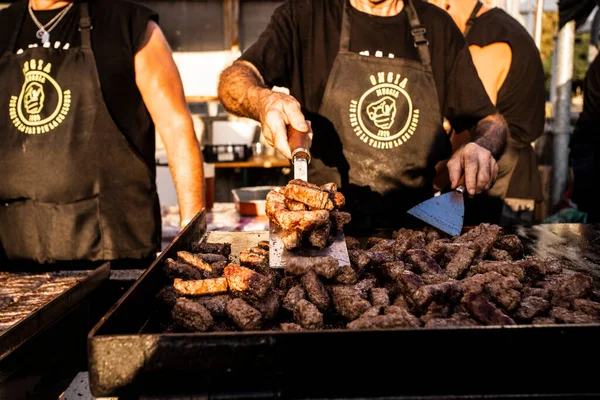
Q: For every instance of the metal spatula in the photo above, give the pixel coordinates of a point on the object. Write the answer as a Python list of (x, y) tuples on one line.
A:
[(278, 255), (445, 212)]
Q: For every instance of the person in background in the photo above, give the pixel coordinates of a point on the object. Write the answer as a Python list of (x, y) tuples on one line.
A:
[(375, 79), (82, 86), (585, 146), (510, 67)]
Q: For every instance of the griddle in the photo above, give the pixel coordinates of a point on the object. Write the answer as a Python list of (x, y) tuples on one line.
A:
[(41, 318), (127, 358)]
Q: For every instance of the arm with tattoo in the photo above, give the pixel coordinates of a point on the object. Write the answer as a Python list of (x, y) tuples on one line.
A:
[(490, 133)]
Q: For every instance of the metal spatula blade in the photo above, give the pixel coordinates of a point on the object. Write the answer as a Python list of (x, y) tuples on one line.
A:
[(279, 255), (445, 212)]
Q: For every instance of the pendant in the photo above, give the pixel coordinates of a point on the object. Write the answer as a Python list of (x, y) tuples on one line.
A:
[(40, 33), (45, 37)]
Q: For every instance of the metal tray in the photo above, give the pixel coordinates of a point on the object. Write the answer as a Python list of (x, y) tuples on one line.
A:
[(44, 316), (460, 362)]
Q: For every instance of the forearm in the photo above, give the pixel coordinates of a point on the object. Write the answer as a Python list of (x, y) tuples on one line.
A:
[(241, 90), (185, 165), (490, 133)]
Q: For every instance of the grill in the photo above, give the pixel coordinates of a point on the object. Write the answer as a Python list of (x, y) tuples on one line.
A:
[(129, 356)]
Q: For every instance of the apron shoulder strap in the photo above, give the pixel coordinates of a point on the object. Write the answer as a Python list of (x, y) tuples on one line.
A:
[(418, 33), (472, 18), (85, 26)]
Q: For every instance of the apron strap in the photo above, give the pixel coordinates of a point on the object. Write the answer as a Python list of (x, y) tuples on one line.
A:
[(85, 26), (418, 33), (472, 18), (345, 32)]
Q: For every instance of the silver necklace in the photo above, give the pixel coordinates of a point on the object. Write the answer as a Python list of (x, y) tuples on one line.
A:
[(43, 32)]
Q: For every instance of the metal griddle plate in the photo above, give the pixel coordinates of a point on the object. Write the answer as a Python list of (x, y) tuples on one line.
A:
[(44, 316), (278, 255)]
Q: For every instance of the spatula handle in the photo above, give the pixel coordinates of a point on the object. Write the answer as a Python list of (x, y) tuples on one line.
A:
[(299, 143), (460, 189)]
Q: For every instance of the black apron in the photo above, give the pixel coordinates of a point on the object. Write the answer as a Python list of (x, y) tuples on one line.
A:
[(71, 186), (386, 129)]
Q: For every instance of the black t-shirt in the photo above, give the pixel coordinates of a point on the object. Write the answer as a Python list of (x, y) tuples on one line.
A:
[(118, 30), (587, 130), (522, 105), (299, 46)]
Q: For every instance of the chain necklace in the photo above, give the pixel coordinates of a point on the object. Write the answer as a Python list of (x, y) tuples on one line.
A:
[(43, 32)]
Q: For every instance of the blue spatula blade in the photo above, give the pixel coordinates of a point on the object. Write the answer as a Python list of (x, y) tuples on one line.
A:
[(445, 212)]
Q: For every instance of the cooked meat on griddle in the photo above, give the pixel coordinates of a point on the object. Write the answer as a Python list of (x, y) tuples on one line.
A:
[(294, 205), (243, 279), (194, 260), (379, 297), (293, 296), (481, 309), (315, 198), (359, 259), (447, 292), (339, 219), (201, 287), (192, 316), (387, 321), (209, 258), (319, 236), (531, 307), (307, 315), (348, 301), (352, 243), (499, 255), (244, 315), (175, 269), (269, 305), (423, 262), (379, 257), (223, 249), (315, 290), (217, 305), (217, 270), (393, 270), (291, 239), (290, 327), (460, 263), (168, 296), (572, 317), (511, 244), (254, 260), (327, 267), (263, 244), (346, 276), (409, 283), (456, 320), (587, 306), (372, 312)]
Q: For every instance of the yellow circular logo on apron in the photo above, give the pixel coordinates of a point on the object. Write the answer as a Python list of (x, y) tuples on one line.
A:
[(42, 105), (384, 117)]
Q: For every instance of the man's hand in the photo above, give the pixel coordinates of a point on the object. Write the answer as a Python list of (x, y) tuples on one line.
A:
[(479, 166), (277, 111)]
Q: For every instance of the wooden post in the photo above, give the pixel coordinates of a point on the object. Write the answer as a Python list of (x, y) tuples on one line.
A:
[(231, 19)]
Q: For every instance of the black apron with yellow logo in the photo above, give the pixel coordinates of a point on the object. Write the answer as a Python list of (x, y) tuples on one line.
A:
[(71, 185), (385, 135)]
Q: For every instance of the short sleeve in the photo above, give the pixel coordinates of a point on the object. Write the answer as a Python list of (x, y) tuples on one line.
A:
[(587, 130), (272, 53), (466, 101), (140, 16)]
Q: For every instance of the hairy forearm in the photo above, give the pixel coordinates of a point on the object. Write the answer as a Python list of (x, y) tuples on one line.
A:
[(490, 133), (241, 89), (185, 165)]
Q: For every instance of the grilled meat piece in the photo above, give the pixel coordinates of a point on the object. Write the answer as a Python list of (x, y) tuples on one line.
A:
[(400, 301), (346, 276), (288, 282), (330, 187), (379, 297), (307, 315), (290, 327), (210, 258), (217, 305), (294, 205), (571, 287), (460, 263), (339, 219), (401, 319), (326, 267), (505, 268), (194, 260), (436, 249), (293, 220), (543, 321), (254, 260), (192, 316), (505, 291), (435, 311), (457, 320), (409, 283), (314, 198), (481, 309), (417, 241), (175, 270), (243, 279), (223, 249), (536, 292), (587, 306), (168, 296), (315, 290), (348, 302), (447, 292), (293, 296), (487, 237), (352, 243), (511, 244), (572, 317), (393, 270), (359, 259), (423, 262), (291, 239), (384, 245), (379, 257), (319, 236), (201, 287), (532, 307), (499, 255), (400, 246), (244, 315), (269, 305), (432, 234), (372, 312), (217, 270)]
